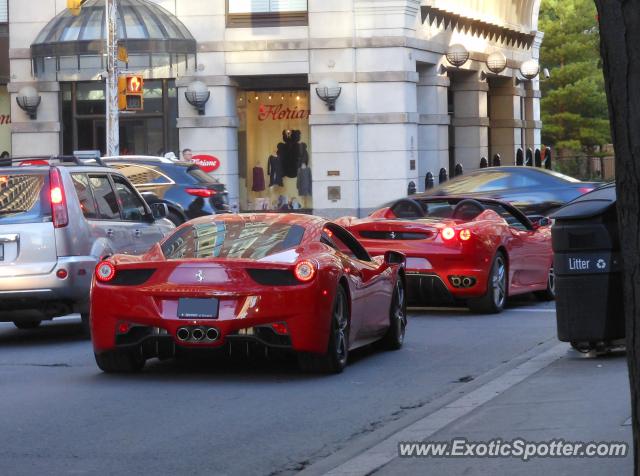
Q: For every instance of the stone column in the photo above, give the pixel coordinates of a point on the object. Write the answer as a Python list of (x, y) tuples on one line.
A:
[(39, 136), (433, 123), (532, 122), (470, 120), (216, 132), (506, 119)]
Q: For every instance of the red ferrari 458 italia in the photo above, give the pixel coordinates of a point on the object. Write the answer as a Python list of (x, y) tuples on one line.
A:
[(292, 282), (461, 250)]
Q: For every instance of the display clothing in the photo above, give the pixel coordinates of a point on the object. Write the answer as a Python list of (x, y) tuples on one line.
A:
[(274, 170), (258, 179), (304, 181)]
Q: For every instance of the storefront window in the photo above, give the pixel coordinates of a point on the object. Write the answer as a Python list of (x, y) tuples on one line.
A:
[(274, 150), (152, 131)]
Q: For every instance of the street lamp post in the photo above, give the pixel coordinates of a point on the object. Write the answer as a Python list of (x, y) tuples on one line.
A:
[(112, 119)]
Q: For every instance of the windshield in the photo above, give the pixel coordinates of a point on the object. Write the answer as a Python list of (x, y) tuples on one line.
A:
[(232, 239), (23, 198)]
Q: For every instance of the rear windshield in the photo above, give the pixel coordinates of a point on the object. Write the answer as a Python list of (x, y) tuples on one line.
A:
[(24, 198), (225, 239), (200, 175)]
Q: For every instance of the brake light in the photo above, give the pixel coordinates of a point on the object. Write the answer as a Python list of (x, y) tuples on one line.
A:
[(465, 235), (305, 271), (586, 189), (59, 212), (200, 192), (448, 233), (105, 271)]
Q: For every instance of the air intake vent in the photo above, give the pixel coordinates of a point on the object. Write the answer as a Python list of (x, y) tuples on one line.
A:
[(273, 277), (131, 277)]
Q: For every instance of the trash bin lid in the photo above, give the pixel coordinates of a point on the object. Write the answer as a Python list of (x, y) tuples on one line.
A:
[(588, 205)]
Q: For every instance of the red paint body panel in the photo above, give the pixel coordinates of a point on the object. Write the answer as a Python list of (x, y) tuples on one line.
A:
[(305, 308), (529, 253)]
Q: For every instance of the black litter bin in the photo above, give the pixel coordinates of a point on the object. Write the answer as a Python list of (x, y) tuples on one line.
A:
[(588, 270)]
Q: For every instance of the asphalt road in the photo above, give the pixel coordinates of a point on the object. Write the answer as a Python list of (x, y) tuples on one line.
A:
[(60, 415)]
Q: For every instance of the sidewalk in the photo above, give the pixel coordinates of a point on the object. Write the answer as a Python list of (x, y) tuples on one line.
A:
[(574, 398)]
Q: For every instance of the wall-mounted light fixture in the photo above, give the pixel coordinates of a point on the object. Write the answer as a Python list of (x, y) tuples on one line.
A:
[(28, 100), (329, 91), (530, 69), (496, 62), (197, 94), (457, 55)]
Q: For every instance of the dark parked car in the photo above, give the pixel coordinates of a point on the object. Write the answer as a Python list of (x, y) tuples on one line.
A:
[(184, 187), (535, 191)]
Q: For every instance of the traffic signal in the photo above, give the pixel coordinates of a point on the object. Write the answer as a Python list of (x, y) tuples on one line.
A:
[(74, 6), (130, 93)]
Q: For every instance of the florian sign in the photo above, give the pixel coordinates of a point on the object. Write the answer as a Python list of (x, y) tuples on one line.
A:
[(280, 112)]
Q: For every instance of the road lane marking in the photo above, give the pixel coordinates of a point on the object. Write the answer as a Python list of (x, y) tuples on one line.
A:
[(387, 450)]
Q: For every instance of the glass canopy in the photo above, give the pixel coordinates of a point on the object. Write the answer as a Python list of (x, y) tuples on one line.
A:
[(152, 35)]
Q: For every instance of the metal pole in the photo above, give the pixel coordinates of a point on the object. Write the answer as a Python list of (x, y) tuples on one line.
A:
[(112, 115)]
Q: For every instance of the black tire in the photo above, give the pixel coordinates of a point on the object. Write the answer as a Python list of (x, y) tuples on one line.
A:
[(548, 294), (26, 325), (120, 361), (493, 301), (176, 219), (335, 360), (394, 338)]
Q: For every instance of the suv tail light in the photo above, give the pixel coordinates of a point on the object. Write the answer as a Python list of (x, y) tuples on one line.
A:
[(58, 199), (200, 192)]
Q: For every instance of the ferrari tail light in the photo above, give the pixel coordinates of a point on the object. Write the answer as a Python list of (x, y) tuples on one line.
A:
[(59, 213), (448, 233), (105, 271), (465, 235), (200, 192), (304, 271)]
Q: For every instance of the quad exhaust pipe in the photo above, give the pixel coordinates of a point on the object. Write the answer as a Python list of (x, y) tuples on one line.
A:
[(462, 281), (197, 334)]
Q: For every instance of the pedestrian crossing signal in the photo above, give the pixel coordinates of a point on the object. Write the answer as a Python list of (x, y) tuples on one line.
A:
[(130, 93)]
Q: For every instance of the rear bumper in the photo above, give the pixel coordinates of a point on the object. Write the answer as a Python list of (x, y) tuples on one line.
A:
[(303, 308), (47, 292)]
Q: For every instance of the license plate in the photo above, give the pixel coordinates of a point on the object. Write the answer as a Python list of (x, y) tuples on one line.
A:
[(198, 308)]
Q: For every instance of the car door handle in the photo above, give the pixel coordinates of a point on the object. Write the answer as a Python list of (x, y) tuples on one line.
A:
[(137, 233), (110, 232)]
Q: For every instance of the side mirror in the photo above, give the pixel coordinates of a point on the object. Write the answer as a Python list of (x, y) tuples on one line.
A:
[(394, 257), (159, 210)]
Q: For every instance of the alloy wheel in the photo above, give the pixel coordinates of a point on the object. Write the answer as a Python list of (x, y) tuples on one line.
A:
[(499, 282)]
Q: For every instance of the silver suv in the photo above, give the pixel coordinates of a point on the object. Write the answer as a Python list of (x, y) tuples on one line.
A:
[(58, 218)]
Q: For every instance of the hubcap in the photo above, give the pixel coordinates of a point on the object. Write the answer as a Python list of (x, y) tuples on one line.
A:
[(499, 281), (399, 312), (341, 323)]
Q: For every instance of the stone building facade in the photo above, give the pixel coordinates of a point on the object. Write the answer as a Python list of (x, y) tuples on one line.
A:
[(408, 103)]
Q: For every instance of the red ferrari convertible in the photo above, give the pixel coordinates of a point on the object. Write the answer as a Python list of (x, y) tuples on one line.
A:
[(292, 282), (474, 251)]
